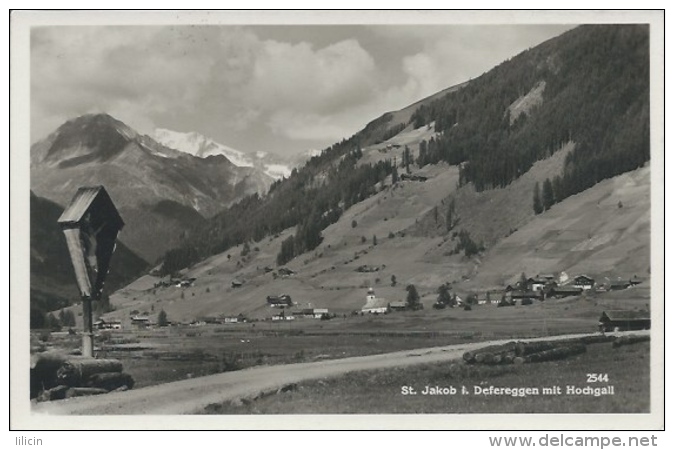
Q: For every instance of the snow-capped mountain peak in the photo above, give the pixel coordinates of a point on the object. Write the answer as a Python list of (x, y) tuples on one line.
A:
[(201, 146), (198, 145)]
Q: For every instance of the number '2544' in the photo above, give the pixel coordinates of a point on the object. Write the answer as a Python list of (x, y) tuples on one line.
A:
[(597, 377)]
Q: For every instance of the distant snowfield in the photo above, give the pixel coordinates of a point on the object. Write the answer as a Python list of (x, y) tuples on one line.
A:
[(201, 146)]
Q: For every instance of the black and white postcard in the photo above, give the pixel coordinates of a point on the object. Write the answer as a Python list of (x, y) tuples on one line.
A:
[(455, 218)]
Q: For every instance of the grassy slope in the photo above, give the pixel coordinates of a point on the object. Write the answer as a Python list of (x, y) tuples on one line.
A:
[(587, 233)]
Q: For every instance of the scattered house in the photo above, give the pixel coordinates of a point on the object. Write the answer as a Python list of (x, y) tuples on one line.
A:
[(268, 269), (237, 283), (209, 320), (564, 291), (279, 301), (617, 284), (584, 282), (285, 272), (367, 269), (319, 312), (140, 321), (282, 317), (398, 306), (513, 296), (102, 324), (229, 320), (373, 304), (624, 320), (314, 313), (185, 283), (537, 284), (411, 177), (636, 280)]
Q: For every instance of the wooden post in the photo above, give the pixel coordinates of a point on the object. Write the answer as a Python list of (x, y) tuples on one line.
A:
[(88, 334)]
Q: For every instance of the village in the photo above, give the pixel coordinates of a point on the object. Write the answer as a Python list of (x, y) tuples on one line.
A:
[(526, 291)]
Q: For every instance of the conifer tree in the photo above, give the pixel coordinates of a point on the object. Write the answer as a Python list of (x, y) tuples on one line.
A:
[(548, 195), (538, 205)]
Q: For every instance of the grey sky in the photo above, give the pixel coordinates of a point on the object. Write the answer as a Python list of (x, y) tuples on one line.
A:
[(284, 89)]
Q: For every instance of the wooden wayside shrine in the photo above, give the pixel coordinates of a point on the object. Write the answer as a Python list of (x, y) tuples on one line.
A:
[(90, 224)]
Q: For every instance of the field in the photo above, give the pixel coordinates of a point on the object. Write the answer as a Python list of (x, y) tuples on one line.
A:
[(159, 355), (381, 391)]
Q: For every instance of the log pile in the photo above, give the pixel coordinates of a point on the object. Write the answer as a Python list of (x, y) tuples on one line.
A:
[(553, 354), (59, 376), (77, 372), (524, 352), (493, 354), (630, 339)]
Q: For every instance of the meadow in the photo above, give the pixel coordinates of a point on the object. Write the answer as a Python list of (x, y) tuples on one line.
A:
[(387, 391)]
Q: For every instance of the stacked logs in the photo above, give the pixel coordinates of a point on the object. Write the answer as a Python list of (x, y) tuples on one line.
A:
[(56, 377), (524, 352), (494, 354), (630, 339)]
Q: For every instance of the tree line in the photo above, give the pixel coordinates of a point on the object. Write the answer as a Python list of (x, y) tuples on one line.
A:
[(596, 94)]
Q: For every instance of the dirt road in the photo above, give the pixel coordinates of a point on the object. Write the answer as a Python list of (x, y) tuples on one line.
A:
[(193, 395)]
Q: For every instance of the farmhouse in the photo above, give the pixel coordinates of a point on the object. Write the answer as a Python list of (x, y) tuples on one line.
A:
[(636, 280), (315, 313), (514, 295), (281, 317), (405, 176), (538, 283), (374, 305), (398, 306), (140, 321), (366, 268), (279, 300), (564, 291), (102, 324), (584, 282), (617, 284), (185, 283), (285, 272), (624, 320), (230, 320)]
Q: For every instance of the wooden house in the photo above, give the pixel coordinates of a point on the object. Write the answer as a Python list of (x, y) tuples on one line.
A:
[(625, 320), (398, 306), (617, 284), (564, 291), (279, 300), (584, 282)]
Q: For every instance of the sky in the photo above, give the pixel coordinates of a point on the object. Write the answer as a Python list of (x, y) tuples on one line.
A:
[(284, 89)]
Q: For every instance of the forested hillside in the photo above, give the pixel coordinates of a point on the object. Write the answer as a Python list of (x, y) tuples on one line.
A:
[(595, 82), (589, 86)]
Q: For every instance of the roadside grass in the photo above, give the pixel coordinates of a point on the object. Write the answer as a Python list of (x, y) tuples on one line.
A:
[(380, 391), (177, 354)]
